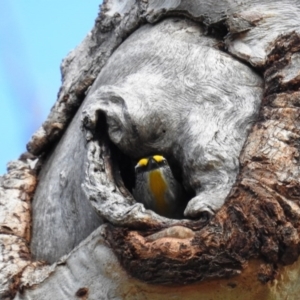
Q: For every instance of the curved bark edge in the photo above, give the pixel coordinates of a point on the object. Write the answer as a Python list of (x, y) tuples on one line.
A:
[(261, 217), (82, 65), (105, 188), (246, 25)]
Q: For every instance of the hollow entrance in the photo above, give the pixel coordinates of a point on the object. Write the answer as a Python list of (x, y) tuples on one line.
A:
[(123, 166)]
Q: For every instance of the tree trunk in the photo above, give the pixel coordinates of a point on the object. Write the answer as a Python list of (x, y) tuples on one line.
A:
[(212, 86)]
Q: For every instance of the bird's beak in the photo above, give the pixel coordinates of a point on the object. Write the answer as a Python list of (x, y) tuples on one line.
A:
[(152, 164)]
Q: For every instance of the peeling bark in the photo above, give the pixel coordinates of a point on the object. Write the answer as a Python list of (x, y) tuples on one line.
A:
[(16, 189), (254, 234)]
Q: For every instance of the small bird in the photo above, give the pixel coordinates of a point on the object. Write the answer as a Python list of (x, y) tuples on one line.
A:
[(157, 188)]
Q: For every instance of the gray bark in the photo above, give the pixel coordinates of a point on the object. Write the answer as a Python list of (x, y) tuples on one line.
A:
[(190, 116), (169, 89)]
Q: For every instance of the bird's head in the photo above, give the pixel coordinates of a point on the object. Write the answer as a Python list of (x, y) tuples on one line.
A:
[(150, 163)]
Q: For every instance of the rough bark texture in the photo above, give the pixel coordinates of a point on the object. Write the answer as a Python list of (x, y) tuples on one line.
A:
[(260, 219), (261, 216), (179, 97), (91, 271), (16, 189)]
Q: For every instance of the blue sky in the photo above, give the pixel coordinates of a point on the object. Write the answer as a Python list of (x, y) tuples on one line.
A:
[(34, 37)]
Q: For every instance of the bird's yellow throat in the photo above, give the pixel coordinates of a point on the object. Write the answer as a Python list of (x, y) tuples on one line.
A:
[(158, 187)]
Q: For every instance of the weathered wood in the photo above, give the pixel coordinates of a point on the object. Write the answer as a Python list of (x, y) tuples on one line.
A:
[(91, 271), (16, 189), (115, 22), (59, 206), (181, 98), (259, 219), (197, 115), (261, 216)]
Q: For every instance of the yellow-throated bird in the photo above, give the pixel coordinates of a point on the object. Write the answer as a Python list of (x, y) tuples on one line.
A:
[(157, 188)]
